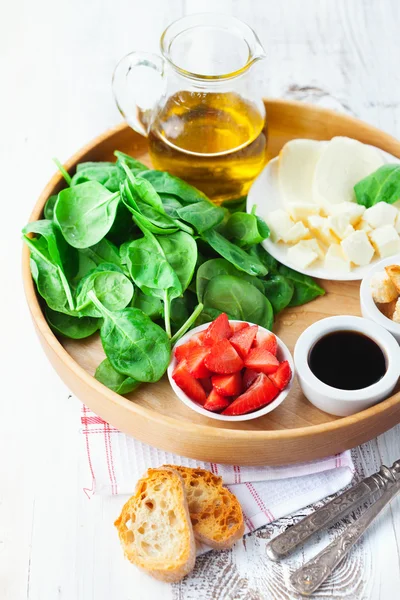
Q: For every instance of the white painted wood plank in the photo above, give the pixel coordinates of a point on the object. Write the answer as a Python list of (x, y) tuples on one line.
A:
[(56, 64)]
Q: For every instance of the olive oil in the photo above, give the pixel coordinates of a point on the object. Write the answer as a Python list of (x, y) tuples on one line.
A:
[(347, 360), (215, 141)]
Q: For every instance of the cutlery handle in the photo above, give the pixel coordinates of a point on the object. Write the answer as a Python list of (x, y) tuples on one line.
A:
[(331, 512), (311, 575)]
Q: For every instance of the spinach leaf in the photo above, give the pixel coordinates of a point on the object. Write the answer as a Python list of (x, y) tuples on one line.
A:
[(85, 265), (49, 207), (134, 165), (49, 284), (85, 213), (279, 291), (122, 227), (305, 288), (246, 229), (265, 258), (238, 204), (103, 252), (182, 308), (107, 173), (239, 299), (209, 314), (203, 215), (238, 257), (112, 288), (71, 327), (151, 306), (117, 382), (169, 184), (134, 345), (180, 250), (219, 266), (171, 205), (381, 186)]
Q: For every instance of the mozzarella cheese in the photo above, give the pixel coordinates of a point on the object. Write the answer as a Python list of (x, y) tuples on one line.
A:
[(335, 260), (385, 240), (340, 225), (397, 222), (296, 233), (363, 226), (279, 224), (320, 228), (353, 211), (357, 248), (300, 211), (297, 161), (380, 214), (302, 255)]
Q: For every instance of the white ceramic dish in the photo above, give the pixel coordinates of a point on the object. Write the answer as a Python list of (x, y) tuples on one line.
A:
[(264, 193), (369, 310), (282, 354), (346, 402)]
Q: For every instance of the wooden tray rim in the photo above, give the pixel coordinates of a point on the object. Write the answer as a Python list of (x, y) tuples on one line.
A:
[(152, 415)]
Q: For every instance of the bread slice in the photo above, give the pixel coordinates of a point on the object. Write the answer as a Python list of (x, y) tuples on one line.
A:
[(155, 529), (382, 288), (215, 512), (394, 273)]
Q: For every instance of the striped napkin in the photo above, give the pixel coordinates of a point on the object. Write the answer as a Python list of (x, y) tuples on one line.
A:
[(117, 461)]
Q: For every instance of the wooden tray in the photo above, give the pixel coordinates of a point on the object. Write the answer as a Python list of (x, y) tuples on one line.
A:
[(294, 432)]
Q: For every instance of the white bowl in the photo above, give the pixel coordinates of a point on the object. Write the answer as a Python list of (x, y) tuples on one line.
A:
[(282, 354), (369, 310), (346, 402)]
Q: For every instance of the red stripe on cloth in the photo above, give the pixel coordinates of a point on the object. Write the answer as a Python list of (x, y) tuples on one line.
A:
[(98, 430), (260, 503), (239, 475), (248, 522), (115, 492), (107, 450), (91, 490), (92, 420)]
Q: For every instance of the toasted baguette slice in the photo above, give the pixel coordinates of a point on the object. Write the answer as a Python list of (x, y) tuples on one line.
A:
[(215, 512), (388, 308), (155, 529), (394, 273), (395, 316), (382, 288)]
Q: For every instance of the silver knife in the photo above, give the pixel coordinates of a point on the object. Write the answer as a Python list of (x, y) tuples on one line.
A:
[(313, 574), (369, 488)]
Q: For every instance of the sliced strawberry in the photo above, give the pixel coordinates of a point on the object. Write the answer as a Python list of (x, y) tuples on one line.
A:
[(258, 395), (206, 384), (238, 326), (243, 339), (282, 375), (261, 360), (216, 402), (218, 330), (198, 337), (249, 378), (183, 350), (223, 358), (267, 340), (227, 385), (195, 362), (188, 383)]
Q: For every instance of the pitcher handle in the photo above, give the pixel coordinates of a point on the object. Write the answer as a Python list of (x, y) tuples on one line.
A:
[(138, 84)]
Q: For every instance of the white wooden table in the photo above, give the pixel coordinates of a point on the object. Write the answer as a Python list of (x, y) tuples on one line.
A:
[(56, 61)]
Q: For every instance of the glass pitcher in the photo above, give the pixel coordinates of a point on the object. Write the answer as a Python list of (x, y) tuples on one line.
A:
[(198, 103)]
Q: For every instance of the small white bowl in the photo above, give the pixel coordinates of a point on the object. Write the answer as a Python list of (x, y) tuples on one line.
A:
[(346, 402), (369, 310), (282, 354)]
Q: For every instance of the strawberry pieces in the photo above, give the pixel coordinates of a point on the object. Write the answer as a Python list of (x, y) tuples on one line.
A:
[(195, 362), (223, 358), (243, 339), (185, 380), (262, 392), (262, 361), (282, 375), (183, 350), (266, 340), (249, 377), (218, 330), (238, 326), (206, 384), (198, 338), (216, 402), (227, 385)]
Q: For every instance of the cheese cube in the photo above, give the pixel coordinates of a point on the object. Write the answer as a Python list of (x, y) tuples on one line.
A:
[(357, 248), (335, 259), (279, 224), (352, 210), (340, 225), (314, 245), (363, 226), (385, 240), (302, 255), (300, 211), (320, 228), (380, 214), (296, 233)]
